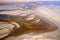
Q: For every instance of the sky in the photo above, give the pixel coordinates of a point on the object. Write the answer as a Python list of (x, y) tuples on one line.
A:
[(25, 0), (54, 2)]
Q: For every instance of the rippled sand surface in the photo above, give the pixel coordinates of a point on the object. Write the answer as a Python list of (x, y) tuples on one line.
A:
[(32, 36), (54, 35)]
